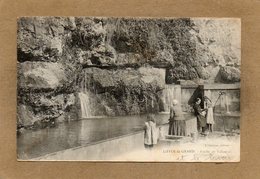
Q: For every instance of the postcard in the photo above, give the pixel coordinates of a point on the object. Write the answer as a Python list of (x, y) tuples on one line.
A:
[(128, 89)]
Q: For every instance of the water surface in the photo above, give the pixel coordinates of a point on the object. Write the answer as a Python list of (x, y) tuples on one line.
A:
[(31, 144)]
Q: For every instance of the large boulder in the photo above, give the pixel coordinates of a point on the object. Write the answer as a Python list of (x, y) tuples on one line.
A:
[(229, 74), (41, 75), (128, 77)]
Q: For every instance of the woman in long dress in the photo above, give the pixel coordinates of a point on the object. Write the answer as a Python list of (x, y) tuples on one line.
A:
[(209, 115), (176, 121)]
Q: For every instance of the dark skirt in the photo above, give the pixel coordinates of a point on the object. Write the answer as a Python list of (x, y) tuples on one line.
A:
[(177, 127), (202, 122)]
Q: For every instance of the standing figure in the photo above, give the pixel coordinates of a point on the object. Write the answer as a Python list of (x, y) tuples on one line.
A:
[(200, 114), (176, 122), (151, 133), (209, 115)]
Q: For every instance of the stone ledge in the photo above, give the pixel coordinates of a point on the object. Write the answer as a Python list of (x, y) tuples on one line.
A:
[(217, 86)]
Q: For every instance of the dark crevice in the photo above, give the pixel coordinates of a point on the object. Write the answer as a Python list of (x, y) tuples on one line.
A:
[(23, 57)]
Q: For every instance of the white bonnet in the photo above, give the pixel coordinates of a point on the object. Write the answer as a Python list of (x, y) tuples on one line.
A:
[(174, 102)]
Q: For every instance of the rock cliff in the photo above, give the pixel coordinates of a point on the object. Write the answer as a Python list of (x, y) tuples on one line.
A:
[(123, 63)]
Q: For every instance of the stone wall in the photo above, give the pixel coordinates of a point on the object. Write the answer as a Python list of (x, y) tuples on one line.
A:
[(228, 102)]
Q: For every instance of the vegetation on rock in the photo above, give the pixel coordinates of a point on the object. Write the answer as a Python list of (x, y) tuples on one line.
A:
[(117, 61)]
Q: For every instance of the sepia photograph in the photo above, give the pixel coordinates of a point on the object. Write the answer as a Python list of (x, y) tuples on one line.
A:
[(128, 89)]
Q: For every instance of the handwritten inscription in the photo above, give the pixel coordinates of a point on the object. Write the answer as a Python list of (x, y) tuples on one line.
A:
[(209, 152)]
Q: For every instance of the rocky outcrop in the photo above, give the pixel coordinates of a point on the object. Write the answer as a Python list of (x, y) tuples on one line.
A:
[(120, 61), (41, 109), (41, 75), (217, 45), (42, 38), (46, 71), (123, 91), (229, 74)]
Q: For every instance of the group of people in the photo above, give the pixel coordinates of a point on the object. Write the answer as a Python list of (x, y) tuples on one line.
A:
[(204, 116), (205, 121)]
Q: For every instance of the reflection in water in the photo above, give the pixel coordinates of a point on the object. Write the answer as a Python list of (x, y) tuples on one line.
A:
[(67, 135)]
